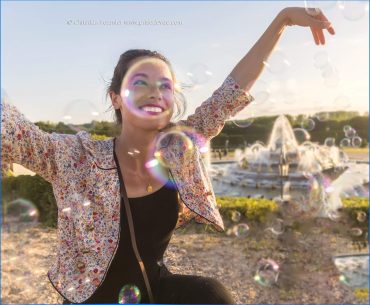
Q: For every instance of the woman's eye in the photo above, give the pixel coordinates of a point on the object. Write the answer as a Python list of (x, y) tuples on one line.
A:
[(140, 82), (166, 86)]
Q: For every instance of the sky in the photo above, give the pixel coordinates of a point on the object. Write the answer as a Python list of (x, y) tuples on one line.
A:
[(55, 55)]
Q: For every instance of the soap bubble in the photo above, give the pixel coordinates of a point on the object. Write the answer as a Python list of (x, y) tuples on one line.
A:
[(318, 5), (20, 213), (267, 272), (78, 112), (331, 76), (353, 10), (346, 128), (164, 159), (321, 59), (243, 123), (308, 124), (346, 142), (334, 215), (241, 230), (361, 216), (129, 294), (235, 216), (322, 116), (301, 135), (180, 139), (242, 116), (260, 91), (229, 232), (329, 142), (355, 232), (199, 74), (277, 63), (350, 133), (276, 226), (356, 141)]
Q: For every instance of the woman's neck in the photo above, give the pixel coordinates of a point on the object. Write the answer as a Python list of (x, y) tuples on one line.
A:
[(136, 144)]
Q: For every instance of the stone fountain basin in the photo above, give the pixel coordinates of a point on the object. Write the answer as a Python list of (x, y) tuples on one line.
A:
[(354, 269)]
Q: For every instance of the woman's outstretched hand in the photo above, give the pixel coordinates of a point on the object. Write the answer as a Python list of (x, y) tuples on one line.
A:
[(309, 17)]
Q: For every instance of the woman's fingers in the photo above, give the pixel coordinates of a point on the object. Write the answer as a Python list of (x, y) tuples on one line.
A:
[(327, 24), (321, 36), (315, 36), (331, 30)]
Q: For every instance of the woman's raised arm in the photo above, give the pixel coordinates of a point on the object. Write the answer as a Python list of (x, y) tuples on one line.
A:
[(24, 143), (233, 95), (247, 71)]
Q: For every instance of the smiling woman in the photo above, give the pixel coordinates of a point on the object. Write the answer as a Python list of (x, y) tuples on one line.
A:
[(120, 200), (126, 61)]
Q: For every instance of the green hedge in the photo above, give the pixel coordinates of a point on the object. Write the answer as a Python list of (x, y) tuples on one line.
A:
[(39, 191), (252, 208), (35, 189)]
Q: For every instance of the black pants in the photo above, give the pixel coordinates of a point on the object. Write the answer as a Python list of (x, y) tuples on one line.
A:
[(190, 289)]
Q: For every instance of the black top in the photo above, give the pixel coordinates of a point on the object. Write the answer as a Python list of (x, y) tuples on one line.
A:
[(154, 217)]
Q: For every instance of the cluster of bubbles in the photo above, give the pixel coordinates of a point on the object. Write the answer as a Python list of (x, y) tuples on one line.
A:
[(239, 229), (351, 138), (357, 231), (129, 294), (351, 11)]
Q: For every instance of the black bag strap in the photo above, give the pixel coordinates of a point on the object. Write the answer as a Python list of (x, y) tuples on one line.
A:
[(134, 245)]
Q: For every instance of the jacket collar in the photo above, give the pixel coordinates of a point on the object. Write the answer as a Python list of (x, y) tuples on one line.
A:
[(101, 151)]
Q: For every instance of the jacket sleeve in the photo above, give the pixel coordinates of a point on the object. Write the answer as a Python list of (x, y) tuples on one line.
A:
[(24, 143), (209, 118)]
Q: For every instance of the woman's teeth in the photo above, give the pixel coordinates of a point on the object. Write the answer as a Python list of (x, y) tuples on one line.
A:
[(152, 109)]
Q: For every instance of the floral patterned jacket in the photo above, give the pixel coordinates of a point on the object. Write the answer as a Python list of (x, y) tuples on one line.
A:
[(86, 186)]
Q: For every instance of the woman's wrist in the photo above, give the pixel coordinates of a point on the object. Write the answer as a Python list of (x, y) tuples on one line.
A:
[(284, 18)]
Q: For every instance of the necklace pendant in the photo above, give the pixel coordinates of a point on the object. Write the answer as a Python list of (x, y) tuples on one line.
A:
[(149, 188)]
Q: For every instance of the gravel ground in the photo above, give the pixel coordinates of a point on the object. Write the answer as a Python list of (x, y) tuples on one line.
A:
[(307, 273)]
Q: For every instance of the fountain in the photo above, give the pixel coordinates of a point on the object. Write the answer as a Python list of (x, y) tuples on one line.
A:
[(285, 169), (283, 157)]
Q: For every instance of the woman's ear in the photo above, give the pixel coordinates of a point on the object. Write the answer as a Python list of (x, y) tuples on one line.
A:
[(116, 100)]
